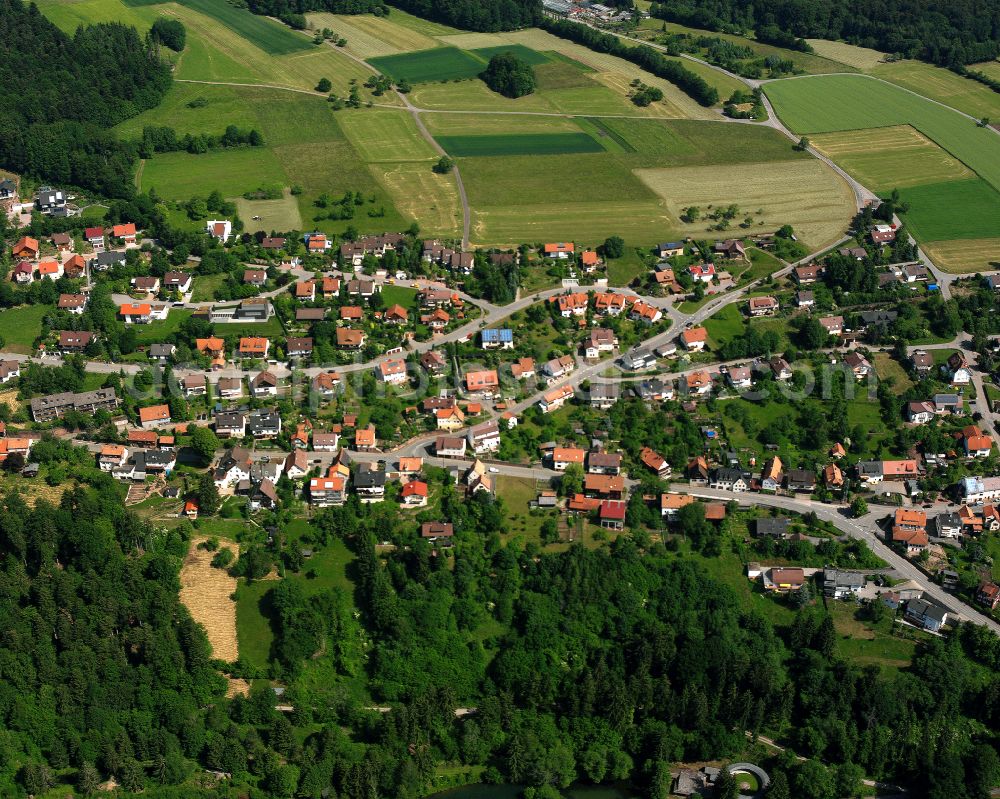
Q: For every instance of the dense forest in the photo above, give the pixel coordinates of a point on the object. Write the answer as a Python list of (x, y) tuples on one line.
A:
[(60, 95), (590, 665), (944, 32), (473, 15)]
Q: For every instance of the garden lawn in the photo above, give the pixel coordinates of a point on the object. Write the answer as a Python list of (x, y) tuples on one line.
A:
[(963, 209), (823, 104), (398, 295), (622, 271), (158, 330), (19, 327), (724, 326), (528, 144), (437, 64)]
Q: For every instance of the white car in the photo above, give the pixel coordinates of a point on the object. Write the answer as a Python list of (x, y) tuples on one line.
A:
[(494, 470)]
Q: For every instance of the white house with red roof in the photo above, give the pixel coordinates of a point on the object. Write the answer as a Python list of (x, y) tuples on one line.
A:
[(95, 238), (702, 272), (220, 229)]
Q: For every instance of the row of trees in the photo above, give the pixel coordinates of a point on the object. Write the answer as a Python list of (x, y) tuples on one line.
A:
[(948, 33), (644, 56)]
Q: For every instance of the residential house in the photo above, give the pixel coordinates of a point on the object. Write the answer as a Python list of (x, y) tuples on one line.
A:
[(555, 399), (976, 443), (703, 272), (437, 320), (988, 594), (562, 457), (63, 242), (770, 527), (924, 614), (638, 359), (485, 437), (125, 233), (772, 475), (220, 229), (573, 304), (325, 442), (396, 315), (780, 368), (103, 261), (805, 299), (264, 424), (254, 347), (73, 341), (800, 481), (449, 446), (654, 390), (328, 491), (364, 439), (909, 528), (644, 312), (485, 383), (349, 339), (154, 416), (948, 525), (317, 243), (840, 584), (697, 471), (609, 304), (694, 339), (94, 236), (600, 462), (25, 247), (414, 494), (806, 275), (73, 303), (589, 260), (859, 365), (146, 285), (24, 273), (731, 249), (612, 514), (450, 419), (51, 270), (957, 370), (883, 234), (670, 249), (194, 385), (730, 479), (264, 384), (922, 362), (296, 465), (178, 281), (869, 472), (762, 306), (900, 470), (230, 424), (305, 291), (299, 347), (559, 250), (740, 377), (670, 504), (392, 371), (255, 277), (50, 201), (881, 318), (603, 395), (698, 384), (558, 368), (833, 325), (523, 368), (833, 477), (947, 403), (325, 384), (111, 457), (784, 580), (919, 412), (497, 339), (655, 462), (437, 532), (229, 388), (433, 362)]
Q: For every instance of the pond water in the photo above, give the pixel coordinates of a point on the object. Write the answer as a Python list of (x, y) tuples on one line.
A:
[(514, 791)]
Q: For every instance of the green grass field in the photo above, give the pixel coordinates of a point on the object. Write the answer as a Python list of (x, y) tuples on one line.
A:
[(19, 327), (438, 64), (530, 144), (159, 330), (846, 102), (942, 85), (962, 209), (181, 176)]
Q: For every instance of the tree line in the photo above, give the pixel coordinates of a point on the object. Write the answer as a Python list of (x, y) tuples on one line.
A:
[(475, 15), (60, 95), (943, 32), (642, 55)]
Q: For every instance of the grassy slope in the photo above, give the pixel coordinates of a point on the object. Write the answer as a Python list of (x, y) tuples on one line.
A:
[(19, 327)]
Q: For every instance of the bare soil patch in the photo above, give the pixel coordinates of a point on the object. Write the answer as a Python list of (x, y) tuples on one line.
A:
[(207, 592)]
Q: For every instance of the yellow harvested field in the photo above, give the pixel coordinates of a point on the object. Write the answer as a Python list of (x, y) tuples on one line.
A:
[(675, 101), (280, 214), (369, 36), (420, 193), (381, 135), (898, 156), (989, 68), (807, 195), (207, 594), (861, 58), (664, 109), (965, 256), (237, 687), (638, 221)]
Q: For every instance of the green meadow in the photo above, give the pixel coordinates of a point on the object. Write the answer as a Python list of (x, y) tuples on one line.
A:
[(959, 209), (438, 64)]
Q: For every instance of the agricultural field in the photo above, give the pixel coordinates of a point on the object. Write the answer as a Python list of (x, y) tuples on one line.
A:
[(887, 158), (424, 66), (963, 209), (825, 104), (861, 58), (804, 194), (421, 194), (989, 68), (443, 125), (270, 36), (369, 36), (181, 176), (524, 144), (379, 135), (965, 256), (942, 85)]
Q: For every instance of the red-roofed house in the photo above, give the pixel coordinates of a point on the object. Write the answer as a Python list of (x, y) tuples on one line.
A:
[(125, 233), (560, 250)]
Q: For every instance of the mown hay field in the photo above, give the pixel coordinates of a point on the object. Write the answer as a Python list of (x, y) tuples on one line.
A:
[(824, 104), (379, 135), (270, 36), (181, 176), (444, 124), (520, 144), (206, 592), (369, 36), (965, 256), (887, 158), (863, 58), (280, 214), (421, 194), (805, 194)]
